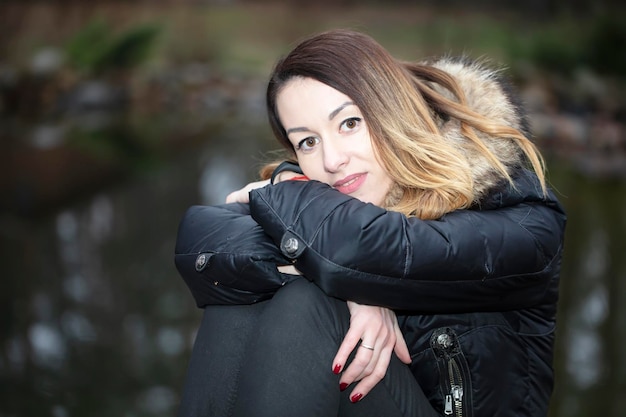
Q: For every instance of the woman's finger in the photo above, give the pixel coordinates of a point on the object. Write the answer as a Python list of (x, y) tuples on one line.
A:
[(288, 269), (362, 364), (238, 196), (374, 375), (347, 346), (371, 368), (242, 195), (401, 349), (365, 324)]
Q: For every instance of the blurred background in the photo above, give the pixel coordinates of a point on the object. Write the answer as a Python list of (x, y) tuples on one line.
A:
[(115, 116)]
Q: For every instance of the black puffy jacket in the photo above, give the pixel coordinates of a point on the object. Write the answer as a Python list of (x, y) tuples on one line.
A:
[(475, 291)]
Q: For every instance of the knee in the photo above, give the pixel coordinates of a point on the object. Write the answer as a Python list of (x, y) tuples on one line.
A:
[(300, 295), (300, 310), (302, 301)]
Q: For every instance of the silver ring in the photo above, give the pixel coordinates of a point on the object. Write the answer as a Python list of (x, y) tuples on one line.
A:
[(363, 345)]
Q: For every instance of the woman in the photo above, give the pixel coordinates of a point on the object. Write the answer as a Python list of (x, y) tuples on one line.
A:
[(421, 232)]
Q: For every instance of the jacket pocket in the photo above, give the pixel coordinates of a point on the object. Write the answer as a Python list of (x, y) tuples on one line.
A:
[(454, 375)]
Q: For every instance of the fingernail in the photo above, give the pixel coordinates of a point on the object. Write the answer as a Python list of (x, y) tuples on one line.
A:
[(343, 386), (356, 397), (337, 369)]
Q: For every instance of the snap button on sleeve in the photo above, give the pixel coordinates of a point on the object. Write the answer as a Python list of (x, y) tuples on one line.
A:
[(291, 245), (202, 261)]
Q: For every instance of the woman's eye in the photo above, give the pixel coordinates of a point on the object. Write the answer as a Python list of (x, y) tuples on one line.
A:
[(350, 124), (308, 143)]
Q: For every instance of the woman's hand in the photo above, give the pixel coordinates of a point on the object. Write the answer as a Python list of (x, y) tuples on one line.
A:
[(243, 195), (377, 329), (288, 269)]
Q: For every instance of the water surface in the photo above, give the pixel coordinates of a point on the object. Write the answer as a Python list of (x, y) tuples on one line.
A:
[(96, 321)]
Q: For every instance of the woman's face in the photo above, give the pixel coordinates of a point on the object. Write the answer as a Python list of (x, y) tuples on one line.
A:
[(331, 139)]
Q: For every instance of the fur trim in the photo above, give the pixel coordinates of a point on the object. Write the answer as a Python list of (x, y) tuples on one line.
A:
[(488, 94)]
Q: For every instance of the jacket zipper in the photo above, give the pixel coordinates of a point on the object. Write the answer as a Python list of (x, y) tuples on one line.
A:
[(453, 372), (456, 387)]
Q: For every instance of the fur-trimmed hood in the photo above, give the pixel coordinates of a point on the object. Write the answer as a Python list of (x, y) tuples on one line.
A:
[(490, 95)]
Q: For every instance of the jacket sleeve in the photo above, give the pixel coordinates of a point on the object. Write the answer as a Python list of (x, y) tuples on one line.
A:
[(226, 258), (469, 260)]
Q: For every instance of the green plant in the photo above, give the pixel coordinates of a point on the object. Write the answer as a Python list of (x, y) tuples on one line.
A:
[(553, 54), (605, 50), (96, 48)]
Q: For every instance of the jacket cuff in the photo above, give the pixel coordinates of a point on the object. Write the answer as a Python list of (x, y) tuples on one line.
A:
[(235, 284), (311, 216), (222, 254), (285, 166), (274, 210)]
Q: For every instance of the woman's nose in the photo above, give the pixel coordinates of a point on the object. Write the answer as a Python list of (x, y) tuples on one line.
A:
[(335, 157)]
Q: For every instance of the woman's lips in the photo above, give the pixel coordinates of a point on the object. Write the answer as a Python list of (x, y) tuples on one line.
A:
[(351, 183)]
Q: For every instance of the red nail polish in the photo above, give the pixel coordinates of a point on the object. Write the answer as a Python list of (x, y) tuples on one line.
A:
[(356, 397), (343, 386), (337, 369)]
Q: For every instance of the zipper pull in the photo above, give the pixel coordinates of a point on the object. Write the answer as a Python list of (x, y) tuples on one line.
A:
[(457, 392), (448, 407)]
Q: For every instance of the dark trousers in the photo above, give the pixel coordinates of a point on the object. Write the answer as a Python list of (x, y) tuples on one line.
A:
[(275, 359)]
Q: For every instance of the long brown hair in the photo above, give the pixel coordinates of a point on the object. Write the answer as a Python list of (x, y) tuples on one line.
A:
[(406, 107)]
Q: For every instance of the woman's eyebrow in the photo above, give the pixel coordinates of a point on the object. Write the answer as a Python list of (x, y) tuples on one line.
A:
[(330, 117), (338, 109), (297, 129)]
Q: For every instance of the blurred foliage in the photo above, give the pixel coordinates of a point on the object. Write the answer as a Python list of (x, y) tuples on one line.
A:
[(605, 52), (117, 144), (249, 35), (95, 48), (553, 49), (596, 43)]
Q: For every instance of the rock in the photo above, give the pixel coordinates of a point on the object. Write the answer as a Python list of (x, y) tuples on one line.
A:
[(46, 62)]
